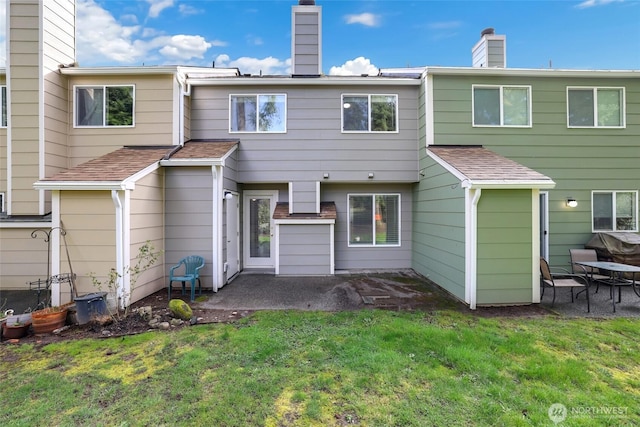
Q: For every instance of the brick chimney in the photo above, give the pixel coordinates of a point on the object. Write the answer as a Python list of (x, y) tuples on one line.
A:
[(306, 39)]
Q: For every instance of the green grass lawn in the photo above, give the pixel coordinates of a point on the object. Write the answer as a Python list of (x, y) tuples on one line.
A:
[(368, 368)]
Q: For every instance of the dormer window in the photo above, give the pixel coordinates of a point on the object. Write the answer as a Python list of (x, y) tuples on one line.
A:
[(103, 106)]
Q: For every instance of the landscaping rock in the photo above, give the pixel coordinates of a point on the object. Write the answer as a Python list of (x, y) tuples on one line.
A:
[(145, 312), (176, 322), (180, 309), (164, 326)]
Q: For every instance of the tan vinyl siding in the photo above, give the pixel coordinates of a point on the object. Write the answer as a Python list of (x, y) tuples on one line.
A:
[(147, 225), (314, 143), (504, 247), (439, 228), (59, 48), (89, 220), (24, 72), (153, 117), (578, 160), (22, 258)]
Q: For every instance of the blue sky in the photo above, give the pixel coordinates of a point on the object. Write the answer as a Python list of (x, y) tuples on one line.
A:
[(359, 35)]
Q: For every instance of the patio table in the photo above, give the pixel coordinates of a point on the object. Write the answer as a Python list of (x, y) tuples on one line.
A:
[(616, 271)]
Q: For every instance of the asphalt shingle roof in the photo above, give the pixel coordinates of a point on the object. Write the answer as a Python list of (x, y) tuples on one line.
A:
[(480, 164), (127, 161)]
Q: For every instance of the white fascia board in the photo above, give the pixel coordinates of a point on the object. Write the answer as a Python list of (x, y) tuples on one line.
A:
[(25, 224), (304, 81), (116, 71), (80, 185), (453, 171), (508, 184), (192, 162), (304, 221), (130, 183), (530, 72)]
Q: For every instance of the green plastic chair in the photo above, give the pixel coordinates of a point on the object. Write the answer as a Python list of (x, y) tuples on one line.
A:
[(187, 270)]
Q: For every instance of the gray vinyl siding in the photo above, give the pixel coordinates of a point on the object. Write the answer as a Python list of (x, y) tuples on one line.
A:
[(578, 160), (439, 228), (304, 196), (313, 144), (305, 249), (504, 243), (230, 172), (306, 55), (188, 217), (381, 257)]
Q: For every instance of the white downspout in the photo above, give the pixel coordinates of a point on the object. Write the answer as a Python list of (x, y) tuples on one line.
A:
[(54, 243), (218, 261), (185, 90), (472, 197), (119, 247)]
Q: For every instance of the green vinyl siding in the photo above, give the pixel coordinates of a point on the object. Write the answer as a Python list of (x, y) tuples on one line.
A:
[(578, 160), (438, 228), (504, 239)]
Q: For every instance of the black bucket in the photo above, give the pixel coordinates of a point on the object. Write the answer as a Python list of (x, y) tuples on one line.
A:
[(90, 306)]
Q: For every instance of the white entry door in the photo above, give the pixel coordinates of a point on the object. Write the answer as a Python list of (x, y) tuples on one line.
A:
[(259, 245), (233, 235)]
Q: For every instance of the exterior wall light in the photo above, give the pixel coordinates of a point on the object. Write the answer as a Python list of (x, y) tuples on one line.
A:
[(228, 195), (571, 202)]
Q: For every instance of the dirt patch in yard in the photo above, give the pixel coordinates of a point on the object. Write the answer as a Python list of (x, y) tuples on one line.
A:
[(390, 291)]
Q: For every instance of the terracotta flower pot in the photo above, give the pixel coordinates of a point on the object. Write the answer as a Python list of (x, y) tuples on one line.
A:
[(49, 319), (14, 331)]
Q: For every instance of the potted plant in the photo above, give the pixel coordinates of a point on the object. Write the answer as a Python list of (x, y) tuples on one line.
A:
[(15, 326), (48, 319)]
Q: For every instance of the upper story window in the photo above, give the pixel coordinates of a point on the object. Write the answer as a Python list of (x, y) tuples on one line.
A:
[(599, 107), (258, 113), (369, 113), (3, 122), (508, 106), (374, 219), (101, 106), (614, 210)]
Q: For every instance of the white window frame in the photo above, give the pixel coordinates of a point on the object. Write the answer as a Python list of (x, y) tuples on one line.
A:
[(613, 194), (373, 219), (4, 105), (501, 91), (104, 109), (258, 95), (369, 95), (623, 103)]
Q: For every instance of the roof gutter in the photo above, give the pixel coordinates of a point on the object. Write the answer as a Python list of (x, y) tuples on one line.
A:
[(279, 81), (529, 72)]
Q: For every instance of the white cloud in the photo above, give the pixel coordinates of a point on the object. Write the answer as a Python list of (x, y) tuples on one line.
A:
[(183, 47), (593, 3), (3, 42), (100, 36), (101, 39), (157, 6), (367, 19), (256, 66), (355, 67), (254, 40), (186, 10)]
